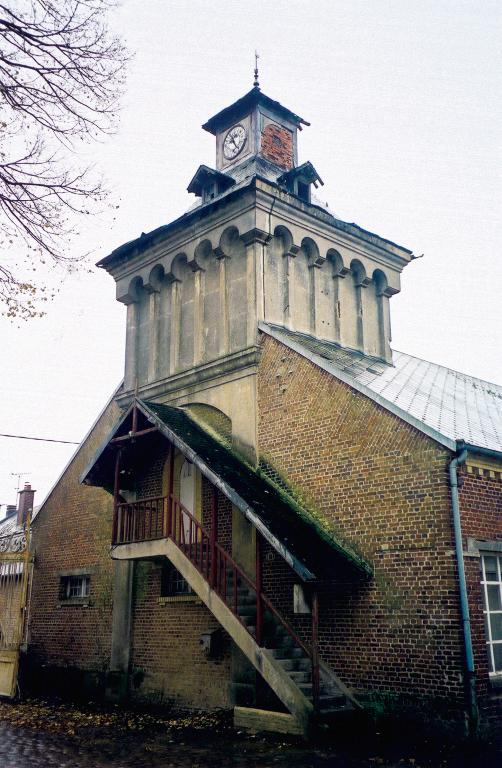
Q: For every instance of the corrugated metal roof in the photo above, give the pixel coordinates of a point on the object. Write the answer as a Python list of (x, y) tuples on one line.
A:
[(452, 404)]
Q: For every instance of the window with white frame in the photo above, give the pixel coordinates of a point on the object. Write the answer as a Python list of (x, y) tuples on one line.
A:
[(491, 580), (75, 587)]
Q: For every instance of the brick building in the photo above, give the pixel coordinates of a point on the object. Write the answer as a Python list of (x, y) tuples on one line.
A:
[(275, 511)]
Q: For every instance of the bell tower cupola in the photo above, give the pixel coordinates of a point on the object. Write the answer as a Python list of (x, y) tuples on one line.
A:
[(255, 129)]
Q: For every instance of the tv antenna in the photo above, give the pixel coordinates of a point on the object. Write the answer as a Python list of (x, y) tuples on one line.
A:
[(19, 475)]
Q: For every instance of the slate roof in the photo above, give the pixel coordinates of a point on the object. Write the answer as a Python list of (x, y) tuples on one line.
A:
[(450, 406), (299, 534), (242, 106), (286, 518)]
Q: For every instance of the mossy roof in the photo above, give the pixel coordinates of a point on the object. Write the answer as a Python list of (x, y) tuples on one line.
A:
[(301, 531)]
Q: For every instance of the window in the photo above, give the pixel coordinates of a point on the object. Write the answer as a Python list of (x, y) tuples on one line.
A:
[(491, 580), (173, 583), (303, 191), (74, 587)]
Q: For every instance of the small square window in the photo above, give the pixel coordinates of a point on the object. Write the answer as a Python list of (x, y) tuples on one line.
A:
[(74, 587), (303, 191), (173, 583)]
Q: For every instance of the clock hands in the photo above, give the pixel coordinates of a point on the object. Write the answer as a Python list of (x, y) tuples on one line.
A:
[(234, 141)]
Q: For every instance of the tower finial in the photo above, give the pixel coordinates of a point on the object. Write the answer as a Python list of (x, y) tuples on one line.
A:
[(256, 84)]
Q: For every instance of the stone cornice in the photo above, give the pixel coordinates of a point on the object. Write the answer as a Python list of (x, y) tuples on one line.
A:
[(295, 213), (223, 369), (256, 235)]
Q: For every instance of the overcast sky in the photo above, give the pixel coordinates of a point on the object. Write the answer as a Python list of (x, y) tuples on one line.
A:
[(404, 101)]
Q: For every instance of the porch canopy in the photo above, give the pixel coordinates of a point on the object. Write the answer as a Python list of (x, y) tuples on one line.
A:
[(297, 533)]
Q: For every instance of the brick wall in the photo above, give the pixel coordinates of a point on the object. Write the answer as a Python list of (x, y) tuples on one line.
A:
[(168, 662), (224, 513), (73, 531), (480, 498), (277, 145), (383, 486), (148, 473)]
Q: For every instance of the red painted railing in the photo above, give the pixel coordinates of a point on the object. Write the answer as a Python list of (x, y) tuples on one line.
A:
[(140, 520), (165, 517)]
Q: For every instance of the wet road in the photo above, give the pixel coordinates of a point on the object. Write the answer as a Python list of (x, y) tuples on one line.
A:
[(22, 748)]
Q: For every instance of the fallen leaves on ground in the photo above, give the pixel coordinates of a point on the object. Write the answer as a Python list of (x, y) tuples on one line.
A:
[(61, 717)]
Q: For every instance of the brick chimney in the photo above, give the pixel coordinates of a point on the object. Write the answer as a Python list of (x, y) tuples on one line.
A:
[(11, 510), (26, 497)]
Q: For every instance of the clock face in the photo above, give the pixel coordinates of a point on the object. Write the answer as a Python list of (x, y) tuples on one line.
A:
[(234, 142)]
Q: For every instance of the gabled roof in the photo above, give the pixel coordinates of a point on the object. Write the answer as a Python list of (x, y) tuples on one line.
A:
[(294, 531), (306, 172), (243, 106), (204, 174), (449, 406)]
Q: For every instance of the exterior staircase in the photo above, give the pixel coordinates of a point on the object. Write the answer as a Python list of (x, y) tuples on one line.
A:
[(308, 689), (333, 697)]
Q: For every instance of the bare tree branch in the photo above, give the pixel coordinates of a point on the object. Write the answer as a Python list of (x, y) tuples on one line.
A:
[(61, 75)]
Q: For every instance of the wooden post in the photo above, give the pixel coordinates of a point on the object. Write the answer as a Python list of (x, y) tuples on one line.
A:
[(315, 650), (169, 528), (116, 489), (259, 604), (134, 419), (214, 535)]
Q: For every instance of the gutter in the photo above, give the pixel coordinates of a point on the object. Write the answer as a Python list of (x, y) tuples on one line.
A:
[(472, 705)]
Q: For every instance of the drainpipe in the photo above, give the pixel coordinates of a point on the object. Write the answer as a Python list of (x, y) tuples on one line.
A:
[(464, 605)]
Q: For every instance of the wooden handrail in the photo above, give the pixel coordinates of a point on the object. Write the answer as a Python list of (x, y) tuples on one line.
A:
[(141, 501), (209, 557)]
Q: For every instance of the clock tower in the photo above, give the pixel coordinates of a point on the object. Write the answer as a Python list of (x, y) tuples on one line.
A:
[(255, 132), (254, 250)]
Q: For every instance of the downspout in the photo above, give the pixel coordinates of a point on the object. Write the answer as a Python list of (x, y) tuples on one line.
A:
[(472, 705)]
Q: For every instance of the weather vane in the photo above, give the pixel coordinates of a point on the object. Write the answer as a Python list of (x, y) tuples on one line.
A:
[(256, 84)]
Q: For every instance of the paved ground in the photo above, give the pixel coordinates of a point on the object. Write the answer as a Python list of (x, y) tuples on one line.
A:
[(41, 734), (23, 748)]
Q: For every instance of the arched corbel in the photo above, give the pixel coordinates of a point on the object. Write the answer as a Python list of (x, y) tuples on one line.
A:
[(201, 254), (336, 261), (228, 239), (219, 253), (177, 267), (292, 251), (311, 249), (132, 294), (155, 279), (360, 277)]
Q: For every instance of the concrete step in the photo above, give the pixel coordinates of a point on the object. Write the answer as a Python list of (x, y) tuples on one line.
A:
[(284, 640), (329, 712), (246, 600), (332, 702), (300, 676), (288, 653), (302, 665)]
